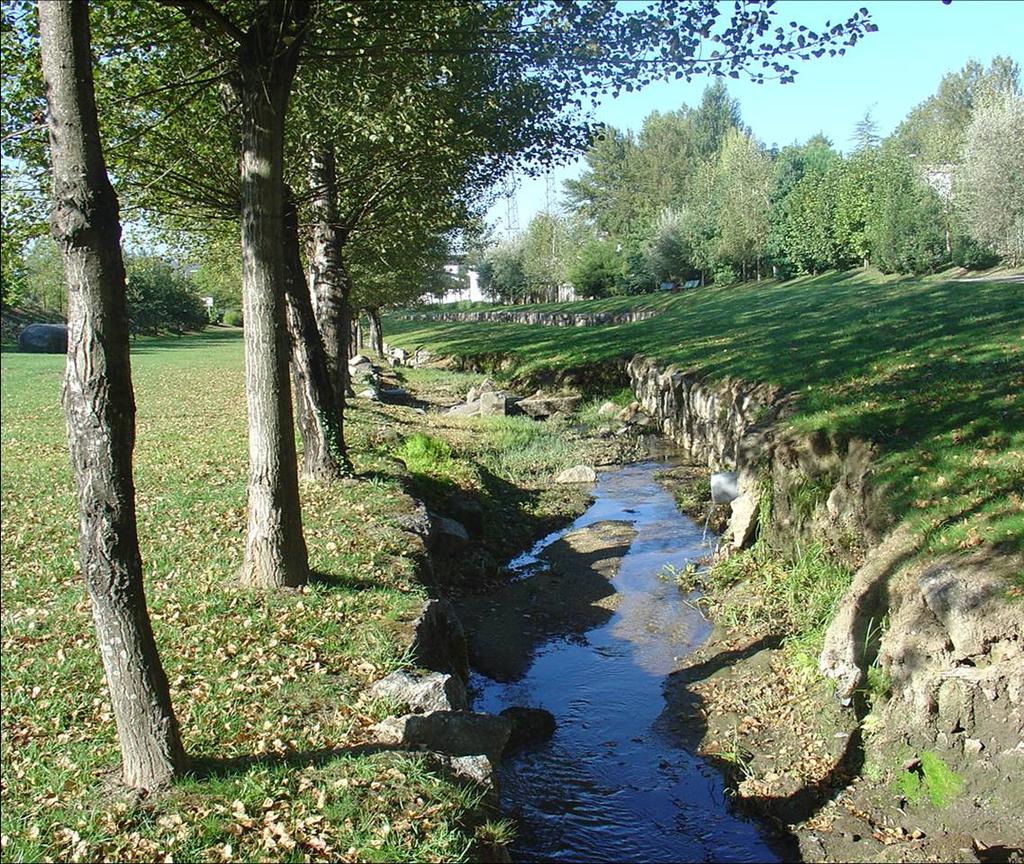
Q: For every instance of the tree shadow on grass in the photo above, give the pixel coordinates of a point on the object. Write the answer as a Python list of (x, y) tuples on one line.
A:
[(341, 582), (209, 767)]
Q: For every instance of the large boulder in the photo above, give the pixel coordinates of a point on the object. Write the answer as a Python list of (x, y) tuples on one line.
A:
[(475, 768), (422, 693), (448, 532), (541, 405), (44, 339), (457, 733), (361, 369), (530, 726), (470, 409), (743, 522), (485, 386), (468, 510), (493, 404)]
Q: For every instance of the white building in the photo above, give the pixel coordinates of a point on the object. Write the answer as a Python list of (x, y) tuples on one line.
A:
[(463, 289)]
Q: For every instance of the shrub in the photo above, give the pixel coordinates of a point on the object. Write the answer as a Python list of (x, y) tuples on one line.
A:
[(232, 318), (423, 454), (971, 254), (161, 298)]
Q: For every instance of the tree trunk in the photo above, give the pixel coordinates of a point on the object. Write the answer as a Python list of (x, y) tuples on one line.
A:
[(99, 404), (353, 332), (323, 448), (376, 333), (275, 553), (328, 282), (351, 345)]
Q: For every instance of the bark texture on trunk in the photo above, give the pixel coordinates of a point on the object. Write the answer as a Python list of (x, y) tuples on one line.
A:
[(323, 449), (275, 552), (376, 332), (99, 403), (328, 283)]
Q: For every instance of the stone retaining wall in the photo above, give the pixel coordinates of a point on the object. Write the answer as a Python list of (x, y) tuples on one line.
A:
[(548, 319), (954, 647)]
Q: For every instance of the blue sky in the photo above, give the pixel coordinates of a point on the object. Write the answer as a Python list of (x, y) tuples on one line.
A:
[(891, 71)]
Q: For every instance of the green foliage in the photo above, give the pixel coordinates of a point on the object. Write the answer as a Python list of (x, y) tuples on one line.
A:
[(971, 254), (809, 493), (44, 281), (990, 182), (220, 276), (503, 272), (161, 298), (935, 781), (742, 180), (879, 684), (802, 237), (544, 249), (796, 596), (430, 456), (906, 231), (668, 256), (934, 131), (232, 318), (518, 447), (599, 269), (13, 272), (496, 832)]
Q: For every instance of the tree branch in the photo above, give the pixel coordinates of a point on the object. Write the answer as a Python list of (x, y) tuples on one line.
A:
[(221, 21)]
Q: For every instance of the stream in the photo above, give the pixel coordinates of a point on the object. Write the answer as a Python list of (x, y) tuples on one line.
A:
[(614, 783)]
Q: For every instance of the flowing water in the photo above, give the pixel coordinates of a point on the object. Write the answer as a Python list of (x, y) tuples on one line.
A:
[(615, 784)]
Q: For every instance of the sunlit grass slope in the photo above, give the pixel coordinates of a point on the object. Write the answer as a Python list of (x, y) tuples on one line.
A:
[(930, 370)]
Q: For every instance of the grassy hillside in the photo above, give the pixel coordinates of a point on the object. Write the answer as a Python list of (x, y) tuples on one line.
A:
[(931, 370)]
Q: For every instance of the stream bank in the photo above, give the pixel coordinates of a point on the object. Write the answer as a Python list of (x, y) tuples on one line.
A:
[(789, 752)]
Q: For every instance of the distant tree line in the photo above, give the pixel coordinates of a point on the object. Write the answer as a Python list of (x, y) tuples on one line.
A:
[(162, 296), (694, 196)]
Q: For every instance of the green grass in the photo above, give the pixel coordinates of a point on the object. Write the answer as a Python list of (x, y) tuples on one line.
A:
[(796, 595), (265, 686), (424, 454), (935, 781), (930, 370)]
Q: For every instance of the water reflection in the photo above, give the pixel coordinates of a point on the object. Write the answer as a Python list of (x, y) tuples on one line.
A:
[(612, 785)]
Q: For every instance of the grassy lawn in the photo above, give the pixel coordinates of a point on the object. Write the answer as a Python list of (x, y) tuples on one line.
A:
[(929, 369), (265, 685)]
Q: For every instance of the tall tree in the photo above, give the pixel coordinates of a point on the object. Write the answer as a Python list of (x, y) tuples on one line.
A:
[(991, 180), (934, 130), (99, 403), (865, 132), (742, 181), (261, 55), (324, 456)]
